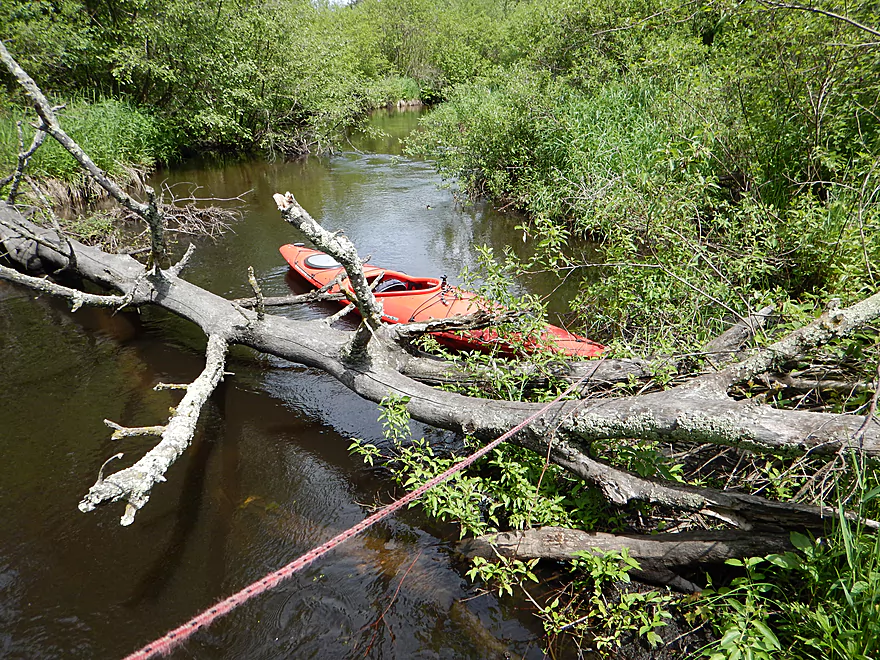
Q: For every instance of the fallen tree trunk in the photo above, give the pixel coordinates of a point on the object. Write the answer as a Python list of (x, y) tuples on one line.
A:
[(684, 413), (657, 554)]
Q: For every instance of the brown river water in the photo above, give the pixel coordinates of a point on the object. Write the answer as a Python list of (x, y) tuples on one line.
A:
[(268, 476)]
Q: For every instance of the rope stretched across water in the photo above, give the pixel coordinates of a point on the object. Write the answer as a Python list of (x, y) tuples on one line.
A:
[(164, 645)]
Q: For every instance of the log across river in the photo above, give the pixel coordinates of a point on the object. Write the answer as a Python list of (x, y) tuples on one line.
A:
[(268, 476)]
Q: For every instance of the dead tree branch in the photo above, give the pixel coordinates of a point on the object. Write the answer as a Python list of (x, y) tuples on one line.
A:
[(77, 298), (342, 249), (834, 323), (120, 432), (23, 158), (133, 484), (150, 212), (293, 299), (657, 554), (258, 294)]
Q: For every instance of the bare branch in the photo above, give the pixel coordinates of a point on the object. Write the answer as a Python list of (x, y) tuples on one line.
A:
[(150, 213), (293, 299), (120, 432), (77, 297), (810, 384), (258, 294), (342, 249), (319, 295), (738, 509), (342, 313), (724, 347), (833, 324), (23, 158), (477, 320), (177, 268), (133, 484)]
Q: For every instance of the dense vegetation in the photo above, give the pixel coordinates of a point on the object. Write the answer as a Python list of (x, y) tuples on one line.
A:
[(249, 75), (729, 150), (723, 155)]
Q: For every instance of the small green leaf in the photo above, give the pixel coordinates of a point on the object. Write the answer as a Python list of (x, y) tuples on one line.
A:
[(800, 541)]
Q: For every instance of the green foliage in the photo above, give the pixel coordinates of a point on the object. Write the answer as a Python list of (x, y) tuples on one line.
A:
[(504, 574), (639, 456), (283, 76), (437, 44), (599, 605), (511, 488), (820, 600), (692, 148), (394, 88), (115, 134)]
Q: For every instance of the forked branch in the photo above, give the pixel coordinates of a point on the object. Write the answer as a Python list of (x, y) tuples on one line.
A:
[(151, 213), (133, 484)]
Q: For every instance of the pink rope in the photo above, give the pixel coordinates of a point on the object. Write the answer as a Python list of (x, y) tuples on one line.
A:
[(165, 644)]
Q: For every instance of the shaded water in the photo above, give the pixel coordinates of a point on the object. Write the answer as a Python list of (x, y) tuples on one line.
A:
[(268, 476)]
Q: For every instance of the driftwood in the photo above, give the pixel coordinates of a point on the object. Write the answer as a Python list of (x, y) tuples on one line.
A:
[(373, 362), (657, 554)]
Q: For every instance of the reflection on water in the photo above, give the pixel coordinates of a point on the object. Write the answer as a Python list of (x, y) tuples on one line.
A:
[(268, 476)]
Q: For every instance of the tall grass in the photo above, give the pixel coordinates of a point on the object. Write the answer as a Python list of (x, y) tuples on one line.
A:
[(115, 134), (820, 601)]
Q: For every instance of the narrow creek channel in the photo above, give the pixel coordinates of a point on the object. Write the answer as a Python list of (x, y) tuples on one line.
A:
[(268, 476)]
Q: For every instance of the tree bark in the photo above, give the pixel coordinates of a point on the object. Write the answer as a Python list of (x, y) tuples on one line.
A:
[(656, 554)]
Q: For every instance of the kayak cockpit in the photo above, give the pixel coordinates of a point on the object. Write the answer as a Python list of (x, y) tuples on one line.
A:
[(389, 283)]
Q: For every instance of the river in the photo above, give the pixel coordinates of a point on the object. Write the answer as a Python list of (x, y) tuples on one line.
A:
[(268, 476)]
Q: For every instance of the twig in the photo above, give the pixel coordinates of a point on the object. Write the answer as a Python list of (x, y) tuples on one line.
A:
[(24, 157), (344, 252), (258, 294), (120, 432), (824, 12)]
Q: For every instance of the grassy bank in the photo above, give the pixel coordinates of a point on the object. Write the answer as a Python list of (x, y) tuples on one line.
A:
[(116, 135)]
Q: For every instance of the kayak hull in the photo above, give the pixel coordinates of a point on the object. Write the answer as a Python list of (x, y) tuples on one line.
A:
[(408, 299)]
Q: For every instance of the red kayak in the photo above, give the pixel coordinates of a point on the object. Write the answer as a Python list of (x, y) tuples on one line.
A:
[(407, 299)]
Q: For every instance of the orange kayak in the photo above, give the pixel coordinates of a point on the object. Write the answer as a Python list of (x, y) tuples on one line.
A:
[(407, 299)]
